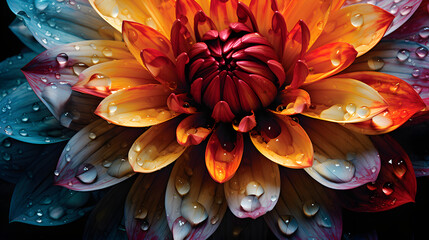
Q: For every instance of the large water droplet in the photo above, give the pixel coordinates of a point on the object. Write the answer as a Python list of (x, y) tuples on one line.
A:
[(144, 225), (193, 212), (394, 9), (336, 170), (78, 68), (375, 63), (421, 52), (107, 52), (250, 203), (120, 168), (56, 212), (403, 55), (112, 108), (41, 4), (254, 188), (287, 224), (62, 59), (310, 208), (363, 112), (387, 188), (182, 186), (87, 173), (181, 228), (424, 32), (356, 20), (8, 130), (381, 122), (141, 214), (405, 10)]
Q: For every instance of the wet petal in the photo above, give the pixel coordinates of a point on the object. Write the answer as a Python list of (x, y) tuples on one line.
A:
[(181, 39), (246, 124), (328, 60), (292, 101), (223, 12), (157, 14), (193, 129), (188, 9), (283, 141), (96, 157), (337, 4), (25, 36), (144, 212), (353, 22), (343, 100), (395, 185), (403, 102), (296, 45), (194, 203), (161, 67), (37, 201), (54, 23), (106, 78), (345, 161), (300, 73), (202, 24), (223, 153), (255, 187), (305, 209), (181, 103), (156, 148), (139, 106)]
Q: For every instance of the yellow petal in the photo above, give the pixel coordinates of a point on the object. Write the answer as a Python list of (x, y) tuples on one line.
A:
[(140, 106), (156, 148), (336, 4), (361, 25), (291, 101), (343, 100), (223, 12)]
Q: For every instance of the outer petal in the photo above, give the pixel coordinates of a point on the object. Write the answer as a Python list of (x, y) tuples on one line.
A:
[(395, 185), (193, 129), (223, 12), (25, 36), (139, 106), (291, 101), (144, 212), (54, 23), (342, 159), (106, 78), (96, 157), (223, 153), (403, 59), (360, 25), (305, 209), (194, 203), (156, 148), (296, 45), (283, 141), (343, 100), (403, 102), (157, 14), (328, 60), (255, 187), (161, 67)]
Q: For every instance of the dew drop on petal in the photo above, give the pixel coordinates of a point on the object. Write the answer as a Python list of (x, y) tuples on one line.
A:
[(403, 55), (416, 72), (387, 188), (363, 112), (394, 9), (35, 107), (375, 63), (62, 59), (107, 52), (405, 10), (250, 203), (144, 225), (254, 188), (421, 52), (356, 20), (56, 212), (78, 68), (8, 130), (181, 228), (182, 186), (92, 136), (424, 32), (287, 225), (336, 170), (310, 208), (87, 173), (399, 168), (141, 213), (193, 212)]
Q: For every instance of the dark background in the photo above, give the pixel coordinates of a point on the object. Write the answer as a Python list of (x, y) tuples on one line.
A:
[(410, 221)]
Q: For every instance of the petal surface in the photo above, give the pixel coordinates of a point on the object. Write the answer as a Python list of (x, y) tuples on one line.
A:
[(193, 129), (25, 36), (291, 101), (345, 161), (223, 12)]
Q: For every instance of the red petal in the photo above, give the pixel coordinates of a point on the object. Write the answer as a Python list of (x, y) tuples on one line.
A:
[(180, 103), (246, 124), (223, 12), (222, 112)]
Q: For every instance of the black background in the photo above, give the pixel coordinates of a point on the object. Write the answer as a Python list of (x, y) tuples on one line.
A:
[(410, 221)]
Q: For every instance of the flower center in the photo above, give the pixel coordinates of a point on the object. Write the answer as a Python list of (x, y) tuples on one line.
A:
[(233, 70)]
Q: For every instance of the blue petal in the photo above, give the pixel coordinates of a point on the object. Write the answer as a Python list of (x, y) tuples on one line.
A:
[(37, 201), (25, 118), (55, 22), (23, 33)]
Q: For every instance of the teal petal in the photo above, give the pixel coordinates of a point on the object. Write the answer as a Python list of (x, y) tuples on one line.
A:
[(23, 33)]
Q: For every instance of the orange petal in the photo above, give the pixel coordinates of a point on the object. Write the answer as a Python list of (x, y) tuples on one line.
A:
[(139, 37), (205, 5), (292, 101), (328, 60), (300, 73), (283, 141), (296, 45), (193, 129), (181, 103), (223, 153), (161, 67), (156, 148), (106, 78), (402, 99), (157, 14), (188, 9), (343, 100), (223, 12), (361, 25), (246, 124), (140, 106), (336, 4), (313, 13)]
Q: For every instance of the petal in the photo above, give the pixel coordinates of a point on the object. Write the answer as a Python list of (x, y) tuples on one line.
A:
[(296, 45), (194, 203), (292, 101), (246, 124), (26, 119), (345, 161), (188, 9), (403, 102), (222, 112), (343, 100), (96, 157), (157, 14), (402, 11), (328, 60), (37, 201), (300, 73), (353, 22), (156, 148), (223, 153), (403, 59), (139, 106), (144, 212), (139, 37), (161, 67), (57, 23), (283, 141), (337, 4), (253, 190), (223, 12), (202, 24), (305, 209), (193, 129), (181, 38), (395, 185), (106, 78), (314, 13), (25, 36)]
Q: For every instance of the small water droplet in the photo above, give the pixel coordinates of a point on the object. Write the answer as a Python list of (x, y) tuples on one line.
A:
[(399, 168), (387, 188), (250, 203), (92, 136), (421, 52), (375, 63), (310, 208), (356, 20), (287, 225), (36, 107), (107, 52), (23, 132), (181, 228), (394, 9), (6, 156), (87, 173), (403, 55), (8, 130), (78, 68), (56, 172), (144, 226), (39, 212), (416, 72), (112, 108), (141, 213), (95, 59), (424, 32), (6, 143), (56, 212), (405, 10)]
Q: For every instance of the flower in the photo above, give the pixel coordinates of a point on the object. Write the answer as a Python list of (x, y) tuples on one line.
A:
[(223, 86)]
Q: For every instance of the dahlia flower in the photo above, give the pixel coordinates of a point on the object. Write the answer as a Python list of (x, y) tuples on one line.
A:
[(205, 112)]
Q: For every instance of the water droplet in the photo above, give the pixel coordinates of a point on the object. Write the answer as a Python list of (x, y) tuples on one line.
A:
[(119, 168), (387, 188), (6, 143), (56, 212), (182, 186), (399, 168), (95, 59), (107, 52), (46, 200), (375, 63), (87, 173), (62, 59), (336, 170), (363, 112), (254, 188), (56, 172), (403, 55), (36, 107), (144, 226), (336, 58), (23, 132), (421, 52), (39, 220), (416, 72), (351, 108), (424, 32), (181, 228), (148, 153), (356, 20), (250, 203), (112, 108), (8, 130), (39, 212), (323, 219), (287, 224), (92, 136), (6, 156), (310, 208), (394, 9), (193, 212), (141, 214), (405, 10), (78, 68)]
